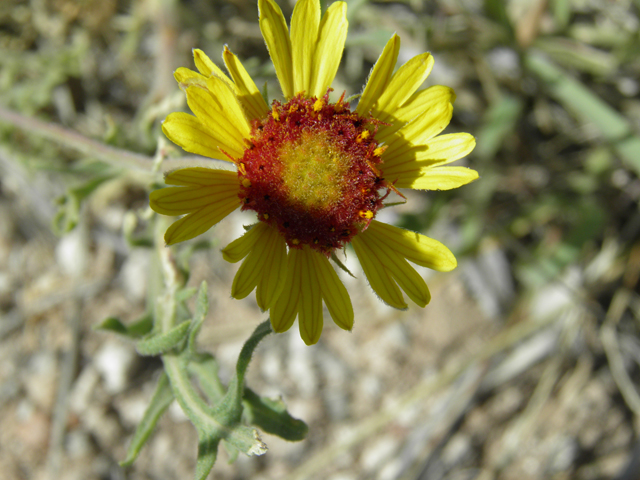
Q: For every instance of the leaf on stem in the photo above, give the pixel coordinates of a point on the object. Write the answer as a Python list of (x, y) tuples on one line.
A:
[(202, 307), (164, 342), (271, 416), (162, 398), (137, 329)]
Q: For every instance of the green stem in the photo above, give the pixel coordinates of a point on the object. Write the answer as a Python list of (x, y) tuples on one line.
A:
[(233, 398), (114, 156), (70, 138), (223, 422)]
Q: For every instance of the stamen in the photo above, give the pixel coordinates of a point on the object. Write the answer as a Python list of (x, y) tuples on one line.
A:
[(312, 172), (380, 150), (363, 136)]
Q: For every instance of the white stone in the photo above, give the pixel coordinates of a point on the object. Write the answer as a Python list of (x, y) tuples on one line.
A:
[(114, 361)]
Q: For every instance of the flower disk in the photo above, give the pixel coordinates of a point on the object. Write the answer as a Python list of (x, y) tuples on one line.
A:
[(310, 171)]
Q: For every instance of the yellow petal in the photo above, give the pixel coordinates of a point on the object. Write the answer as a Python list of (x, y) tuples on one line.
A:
[(438, 178), (201, 176), (211, 113), (415, 247), (226, 102), (331, 38), (310, 306), (305, 22), (264, 267), (181, 200), (419, 130), (418, 105), (186, 78), (193, 136), (240, 247), (423, 101), (273, 269), (285, 309), (198, 222), (403, 84), (404, 274), (276, 35), (379, 76), (380, 281), (208, 68), (440, 150), (248, 94), (333, 292), (247, 275)]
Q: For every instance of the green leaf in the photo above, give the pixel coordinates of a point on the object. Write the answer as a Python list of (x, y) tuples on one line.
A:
[(497, 10), (112, 324), (271, 416), (499, 121), (232, 402), (223, 420), (142, 326), (572, 53), (205, 368), (164, 342), (232, 451), (588, 107), (207, 453), (245, 439), (185, 294), (202, 307), (137, 329), (162, 398), (68, 214)]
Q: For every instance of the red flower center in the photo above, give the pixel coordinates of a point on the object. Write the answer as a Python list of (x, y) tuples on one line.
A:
[(310, 171)]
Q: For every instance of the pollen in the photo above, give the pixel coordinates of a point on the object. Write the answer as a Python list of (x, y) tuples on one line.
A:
[(363, 136), (315, 177), (379, 151)]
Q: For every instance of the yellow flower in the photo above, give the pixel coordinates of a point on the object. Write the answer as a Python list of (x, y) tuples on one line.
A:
[(315, 172)]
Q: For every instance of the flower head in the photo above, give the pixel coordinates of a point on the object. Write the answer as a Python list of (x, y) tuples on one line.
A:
[(315, 172)]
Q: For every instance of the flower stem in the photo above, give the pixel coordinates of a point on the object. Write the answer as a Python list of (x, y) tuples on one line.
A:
[(114, 156), (70, 138)]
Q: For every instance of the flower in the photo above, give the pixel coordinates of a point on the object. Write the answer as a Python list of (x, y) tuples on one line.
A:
[(316, 173)]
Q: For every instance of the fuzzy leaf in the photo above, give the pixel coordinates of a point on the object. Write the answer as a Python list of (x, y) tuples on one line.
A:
[(112, 324), (202, 307), (68, 214), (207, 453), (136, 330), (162, 343), (271, 416), (185, 294), (162, 398), (205, 368)]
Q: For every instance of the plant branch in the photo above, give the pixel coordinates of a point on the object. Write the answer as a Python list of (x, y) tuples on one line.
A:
[(114, 156), (72, 139)]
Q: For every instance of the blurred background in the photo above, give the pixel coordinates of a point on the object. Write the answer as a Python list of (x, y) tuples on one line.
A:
[(524, 366)]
